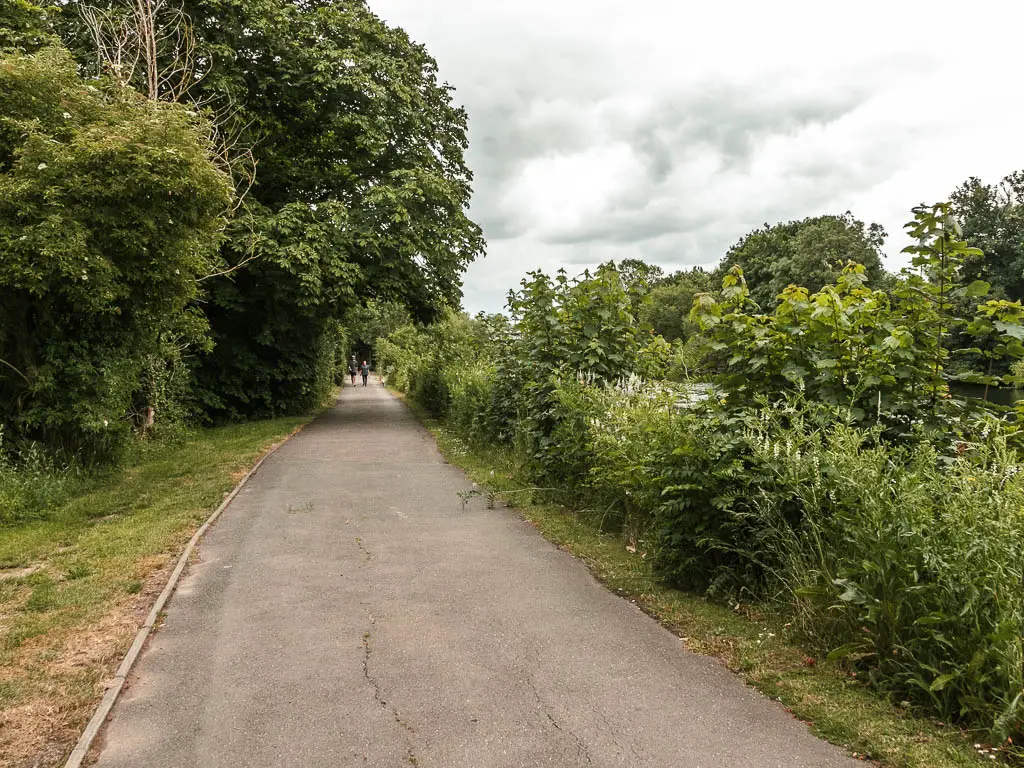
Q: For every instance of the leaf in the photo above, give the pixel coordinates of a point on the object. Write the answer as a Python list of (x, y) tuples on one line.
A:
[(942, 681), (842, 652), (932, 618), (977, 288), (1010, 329)]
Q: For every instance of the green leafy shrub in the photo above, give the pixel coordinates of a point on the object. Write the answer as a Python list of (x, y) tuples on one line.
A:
[(879, 356), (706, 538), (471, 396), (907, 566), (636, 423), (110, 214)]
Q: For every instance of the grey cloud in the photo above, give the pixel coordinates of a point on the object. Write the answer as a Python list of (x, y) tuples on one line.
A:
[(708, 109), (504, 137), (724, 122), (636, 227), (732, 122)]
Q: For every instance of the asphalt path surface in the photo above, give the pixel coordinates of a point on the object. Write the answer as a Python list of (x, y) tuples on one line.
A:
[(347, 611)]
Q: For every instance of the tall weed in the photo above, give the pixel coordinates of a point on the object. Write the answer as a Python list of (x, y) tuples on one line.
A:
[(908, 567), (32, 483), (625, 481)]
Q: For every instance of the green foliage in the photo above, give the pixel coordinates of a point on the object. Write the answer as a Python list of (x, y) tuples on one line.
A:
[(276, 336), (998, 329), (907, 567), (31, 483), (367, 322), (360, 196), (667, 309), (24, 26), (880, 356), (110, 214), (992, 218), (429, 362), (638, 278), (630, 423), (810, 253), (566, 329), (585, 324), (361, 190), (904, 565)]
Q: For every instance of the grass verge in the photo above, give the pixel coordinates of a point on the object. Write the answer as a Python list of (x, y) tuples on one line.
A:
[(748, 639), (75, 586)]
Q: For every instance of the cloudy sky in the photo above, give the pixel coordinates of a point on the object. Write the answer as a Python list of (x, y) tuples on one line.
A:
[(664, 130)]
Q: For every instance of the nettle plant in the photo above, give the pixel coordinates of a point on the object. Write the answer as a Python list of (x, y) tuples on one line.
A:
[(878, 355)]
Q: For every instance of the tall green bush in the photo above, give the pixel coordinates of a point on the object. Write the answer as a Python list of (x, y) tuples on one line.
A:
[(110, 215), (908, 567)]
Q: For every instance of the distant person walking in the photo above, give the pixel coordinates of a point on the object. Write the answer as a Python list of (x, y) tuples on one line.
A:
[(353, 369), (365, 369)]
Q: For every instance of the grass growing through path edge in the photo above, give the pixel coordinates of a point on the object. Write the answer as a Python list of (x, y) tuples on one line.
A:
[(748, 639), (76, 585)]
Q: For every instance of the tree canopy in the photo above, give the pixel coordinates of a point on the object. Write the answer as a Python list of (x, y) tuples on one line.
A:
[(361, 189), (668, 305), (992, 218), (809, 253), (23, 26), (132, 248)]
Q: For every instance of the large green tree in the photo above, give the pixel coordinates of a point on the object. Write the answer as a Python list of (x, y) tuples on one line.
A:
[(110, 213), (361, 189), (809, 253), (992, 219)]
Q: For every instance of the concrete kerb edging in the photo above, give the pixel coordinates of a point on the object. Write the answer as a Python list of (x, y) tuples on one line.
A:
[(81, 750)]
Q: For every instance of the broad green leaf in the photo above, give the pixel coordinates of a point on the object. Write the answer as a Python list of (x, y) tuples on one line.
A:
[(942, 681), (977, 288)]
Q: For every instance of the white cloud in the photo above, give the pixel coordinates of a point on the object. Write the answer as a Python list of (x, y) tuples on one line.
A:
[(666, 130)]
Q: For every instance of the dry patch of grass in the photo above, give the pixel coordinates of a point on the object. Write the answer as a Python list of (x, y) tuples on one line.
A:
[(76, 586)]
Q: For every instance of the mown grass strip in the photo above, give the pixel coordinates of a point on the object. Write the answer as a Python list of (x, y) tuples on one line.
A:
[(75, 586), (748, 639)]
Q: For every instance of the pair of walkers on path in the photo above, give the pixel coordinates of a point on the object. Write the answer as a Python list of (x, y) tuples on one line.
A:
[(354, 368)]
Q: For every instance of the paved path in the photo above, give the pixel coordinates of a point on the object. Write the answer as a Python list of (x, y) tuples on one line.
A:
[(345, 611)]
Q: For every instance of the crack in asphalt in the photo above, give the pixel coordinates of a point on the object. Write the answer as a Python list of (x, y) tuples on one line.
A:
[(582, 753), (378, 694), (611, 734), (362, 548)]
